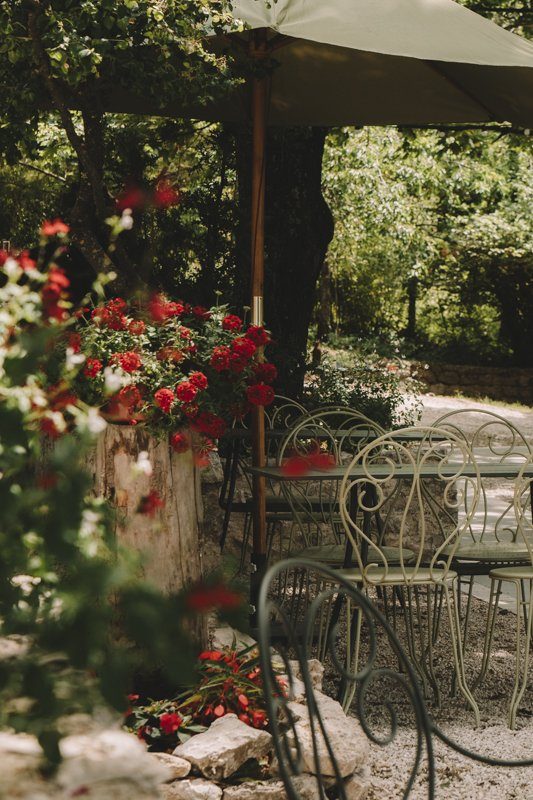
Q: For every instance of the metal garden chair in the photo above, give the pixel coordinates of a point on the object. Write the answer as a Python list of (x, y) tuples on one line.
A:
[(312, 759), (522, 577), (387, 478)]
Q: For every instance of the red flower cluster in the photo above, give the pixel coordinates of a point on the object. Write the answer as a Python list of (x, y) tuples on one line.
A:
[(203, 598), (232, 323), (260, 394), (296, 466), (161, 309), (180, 442), (209, 424), (130, 397), (221, 358), (186, 391), (258, 335), (164, 399), (55, 227), (137, 327), (53, 291), (150, 503), (199, 380), (170, 723), (265, 372), (112, 315), (92, 367), (129, 361)]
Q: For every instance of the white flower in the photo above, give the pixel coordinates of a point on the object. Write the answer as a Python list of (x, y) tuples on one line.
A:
[(12, 269), (95, 423), (115, 379), (143, 465), (126, 221), (73, 359)]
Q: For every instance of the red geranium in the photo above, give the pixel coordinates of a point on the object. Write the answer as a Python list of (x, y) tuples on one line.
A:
[(260, 394), (48, 427), (161, 309), (232, 323), (92, 367), (150, 503), (258, 335), (25, 260), (164, 398), (129, 361), (169, 723), (170, 354), (265, 372), (53, 291), (201, 313), (74, 342), (199, 380), (243, 348), (209, 424), (130, 396), (55, 227), (203, 598), (137, 327), (180, 442), (186, 391), (221, 358), (165, 195)]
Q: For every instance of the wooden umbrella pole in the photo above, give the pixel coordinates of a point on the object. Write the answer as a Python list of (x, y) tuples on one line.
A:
[(259, 111)]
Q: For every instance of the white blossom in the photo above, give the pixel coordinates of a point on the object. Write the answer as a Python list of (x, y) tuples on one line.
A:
[(143, 465), (73, 359), (115, 379), (126, 221)]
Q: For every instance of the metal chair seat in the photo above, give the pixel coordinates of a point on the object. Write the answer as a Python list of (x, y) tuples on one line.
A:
[(512, 573), (399, 576), (490, 551), (333, 554)]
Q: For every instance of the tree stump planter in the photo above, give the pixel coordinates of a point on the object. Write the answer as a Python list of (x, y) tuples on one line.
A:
[(169, 541)]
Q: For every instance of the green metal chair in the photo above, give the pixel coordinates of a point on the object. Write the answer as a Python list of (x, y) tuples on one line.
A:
[(491, 539), (521, 576), (387, 478)]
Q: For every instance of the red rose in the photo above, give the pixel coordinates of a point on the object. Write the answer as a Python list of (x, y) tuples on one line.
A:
[(131, 197), (220, 358), (258, 335), (232, 323), (55, 227), (201, 313), (265, 372), (209, 424), (92, 367), (137, 327), (165, 195), (164, 398), (169, 723), (180, 442), (243, 348), (260, 394), (186, 391), (150, 503), (199, 380), (74, 342), (129, 361)]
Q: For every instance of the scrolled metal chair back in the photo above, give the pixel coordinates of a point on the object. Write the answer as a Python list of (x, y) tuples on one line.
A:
[(492, 438), (308, 748), (386, 482), (523, 506)]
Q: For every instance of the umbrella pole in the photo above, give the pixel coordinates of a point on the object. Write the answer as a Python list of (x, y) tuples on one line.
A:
[(259, 109)]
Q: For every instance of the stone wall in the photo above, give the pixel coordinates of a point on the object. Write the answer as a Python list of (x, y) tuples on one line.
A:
[(510, 384)]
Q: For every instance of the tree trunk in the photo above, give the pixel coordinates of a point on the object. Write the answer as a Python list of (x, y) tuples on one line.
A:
[(298, 229), (324, 311), (169, 541)]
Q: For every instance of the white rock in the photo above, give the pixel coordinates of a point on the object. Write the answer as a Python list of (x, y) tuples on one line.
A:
[(316, 671), (357, 786), (347, 740), (226, 636), (108, 756), (224, 747), (192, 789), (20, 743), (305, 785), (179, 768)]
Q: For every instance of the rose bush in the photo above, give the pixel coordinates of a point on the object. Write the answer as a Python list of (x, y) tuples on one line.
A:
[(183, 370)]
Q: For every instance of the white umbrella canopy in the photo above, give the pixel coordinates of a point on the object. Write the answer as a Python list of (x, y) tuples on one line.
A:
[(376, 62)]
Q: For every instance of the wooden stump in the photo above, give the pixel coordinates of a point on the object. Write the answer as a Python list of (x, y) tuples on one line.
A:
[(168, 542)]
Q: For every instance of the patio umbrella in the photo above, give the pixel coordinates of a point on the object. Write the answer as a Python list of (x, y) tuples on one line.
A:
[(356, 62)]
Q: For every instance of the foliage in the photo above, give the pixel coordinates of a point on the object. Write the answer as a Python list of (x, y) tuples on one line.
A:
[(370, 384), (227, 682), (59, 567)]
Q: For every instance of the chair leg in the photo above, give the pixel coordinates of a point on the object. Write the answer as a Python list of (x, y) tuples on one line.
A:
[(455, 634), (492, 613), (521, 667), (245, 539)]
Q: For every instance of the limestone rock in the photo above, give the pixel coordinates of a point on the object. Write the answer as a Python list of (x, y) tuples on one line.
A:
[(111, 755), (226, 636), (316, 672), (192, 789), (305, 785), (346, 738), (356, 787), (178, 767), (227, 744)]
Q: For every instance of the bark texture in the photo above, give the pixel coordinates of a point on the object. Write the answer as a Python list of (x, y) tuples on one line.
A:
[(298, 229), (168, 542)]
